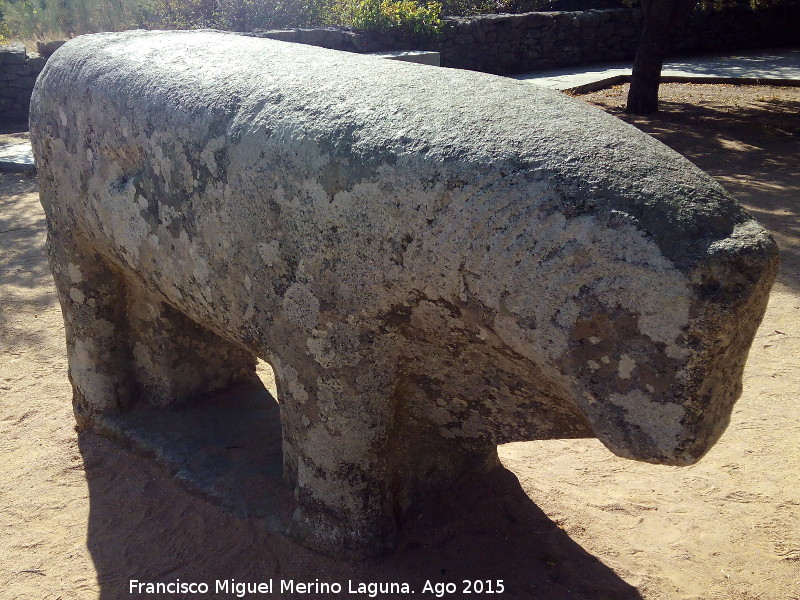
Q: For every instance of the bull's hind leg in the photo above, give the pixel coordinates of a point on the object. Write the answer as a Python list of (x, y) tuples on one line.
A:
[(92, 297), (174, 359), (124, 343)]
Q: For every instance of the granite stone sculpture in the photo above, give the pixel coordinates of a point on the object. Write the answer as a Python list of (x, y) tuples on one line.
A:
[(433, 261)]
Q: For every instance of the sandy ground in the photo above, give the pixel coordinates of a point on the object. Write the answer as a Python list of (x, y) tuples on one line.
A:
[(81, 517)]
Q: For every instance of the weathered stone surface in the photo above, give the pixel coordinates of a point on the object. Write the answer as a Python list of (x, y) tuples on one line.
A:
[(427, 279)]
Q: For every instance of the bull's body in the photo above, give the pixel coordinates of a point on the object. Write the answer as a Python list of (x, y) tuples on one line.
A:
[(433, 261)]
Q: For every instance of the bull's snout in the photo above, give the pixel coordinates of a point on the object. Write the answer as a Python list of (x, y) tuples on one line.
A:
[(667, 398)]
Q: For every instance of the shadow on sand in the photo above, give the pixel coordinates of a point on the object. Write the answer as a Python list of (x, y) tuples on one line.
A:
[(144, 526)]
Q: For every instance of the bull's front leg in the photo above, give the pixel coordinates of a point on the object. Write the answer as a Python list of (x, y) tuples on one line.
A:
[(360, 458), (335, 445)]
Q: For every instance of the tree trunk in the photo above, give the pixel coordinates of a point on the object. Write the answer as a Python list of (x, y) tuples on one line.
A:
[(661, 20)]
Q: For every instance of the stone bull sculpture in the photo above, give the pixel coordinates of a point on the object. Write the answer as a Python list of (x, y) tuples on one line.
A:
[(433, 261)]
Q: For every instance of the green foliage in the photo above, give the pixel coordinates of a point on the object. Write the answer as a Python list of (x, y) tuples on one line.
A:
[(235, 15), (60, 19), (386, 15), (49, 19), (471, 7), (5, 32)]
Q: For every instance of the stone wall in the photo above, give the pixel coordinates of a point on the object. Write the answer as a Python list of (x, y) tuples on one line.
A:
[(536, 41), (548, 40), (18, 72), (361, 42)]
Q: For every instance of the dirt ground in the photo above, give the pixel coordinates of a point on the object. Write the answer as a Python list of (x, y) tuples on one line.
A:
[(81, 517)]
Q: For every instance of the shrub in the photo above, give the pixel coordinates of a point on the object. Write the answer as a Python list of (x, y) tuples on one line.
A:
[(386, 15), (460, 8), (51, 19), (61, 19), (5, 32), (235, 15)]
